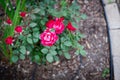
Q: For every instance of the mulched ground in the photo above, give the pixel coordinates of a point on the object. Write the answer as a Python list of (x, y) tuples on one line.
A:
[(78, 68)]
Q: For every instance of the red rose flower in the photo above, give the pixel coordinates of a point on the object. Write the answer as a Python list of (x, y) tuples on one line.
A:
[(8, 21), (70, 27), (59, 25), (9, 40), (48, 38), (23, 14), (18, 29), (50, 24)]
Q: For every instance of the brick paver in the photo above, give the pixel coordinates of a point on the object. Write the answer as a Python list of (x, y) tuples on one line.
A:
[(113, 15), (116, 61), (115, 42)]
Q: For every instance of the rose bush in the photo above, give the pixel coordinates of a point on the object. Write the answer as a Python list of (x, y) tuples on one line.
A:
[(42, 31)]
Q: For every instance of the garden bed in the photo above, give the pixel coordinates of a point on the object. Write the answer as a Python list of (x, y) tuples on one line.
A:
[(91, 67)]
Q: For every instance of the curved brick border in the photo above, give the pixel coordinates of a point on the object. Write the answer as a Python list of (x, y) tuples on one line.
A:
[(113, 19)]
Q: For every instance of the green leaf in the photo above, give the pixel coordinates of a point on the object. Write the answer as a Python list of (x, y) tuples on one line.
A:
[(75, 6), (67, 43), (30, 47), (67, 55), (35, 29), (22, 49), (48, 47), (42, 22), (22, 56), (77, 19), (79, 46), (37, 58), (15, 52), (84, 16), (27, 31), (103, 75), (29, 40), (53, 47), (49, 58), (14, 59), (21, 37), (62, 46), (75, 25), (29, 35), (53, 52), (64, 13), (33, 17), (42, 12), (77, 14), (36, 10), (77, 38), (77, 52), (79, 35), (62, 39), (35, 40), (83, 52), (58, 47), (60, 52), (56, 58), (105, 72), (63, 3), (33, 24), (72, 16), (44, 50), (36, 34)]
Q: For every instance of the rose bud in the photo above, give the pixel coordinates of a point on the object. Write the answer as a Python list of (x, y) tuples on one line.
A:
[(70, 27), (18, 29), (9, 40), (23, 14), (8, 21)]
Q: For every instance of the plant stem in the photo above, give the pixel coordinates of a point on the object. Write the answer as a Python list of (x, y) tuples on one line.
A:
[(71, 37)]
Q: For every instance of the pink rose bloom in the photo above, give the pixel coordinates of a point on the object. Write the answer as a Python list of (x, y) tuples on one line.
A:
[(70, 27), (9, 40), (48, 38), (50, 24), (8, 21), (59, 25), (23, 14), (18, 29)]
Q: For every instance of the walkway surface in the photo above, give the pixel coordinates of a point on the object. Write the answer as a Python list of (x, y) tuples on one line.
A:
[(113, 19)]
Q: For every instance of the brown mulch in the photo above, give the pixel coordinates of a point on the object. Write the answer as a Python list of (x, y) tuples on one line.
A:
[(78, 68)]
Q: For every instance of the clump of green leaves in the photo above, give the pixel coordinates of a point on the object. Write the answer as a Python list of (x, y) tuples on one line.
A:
[(105, 72), (9, 29), (27, 44)]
